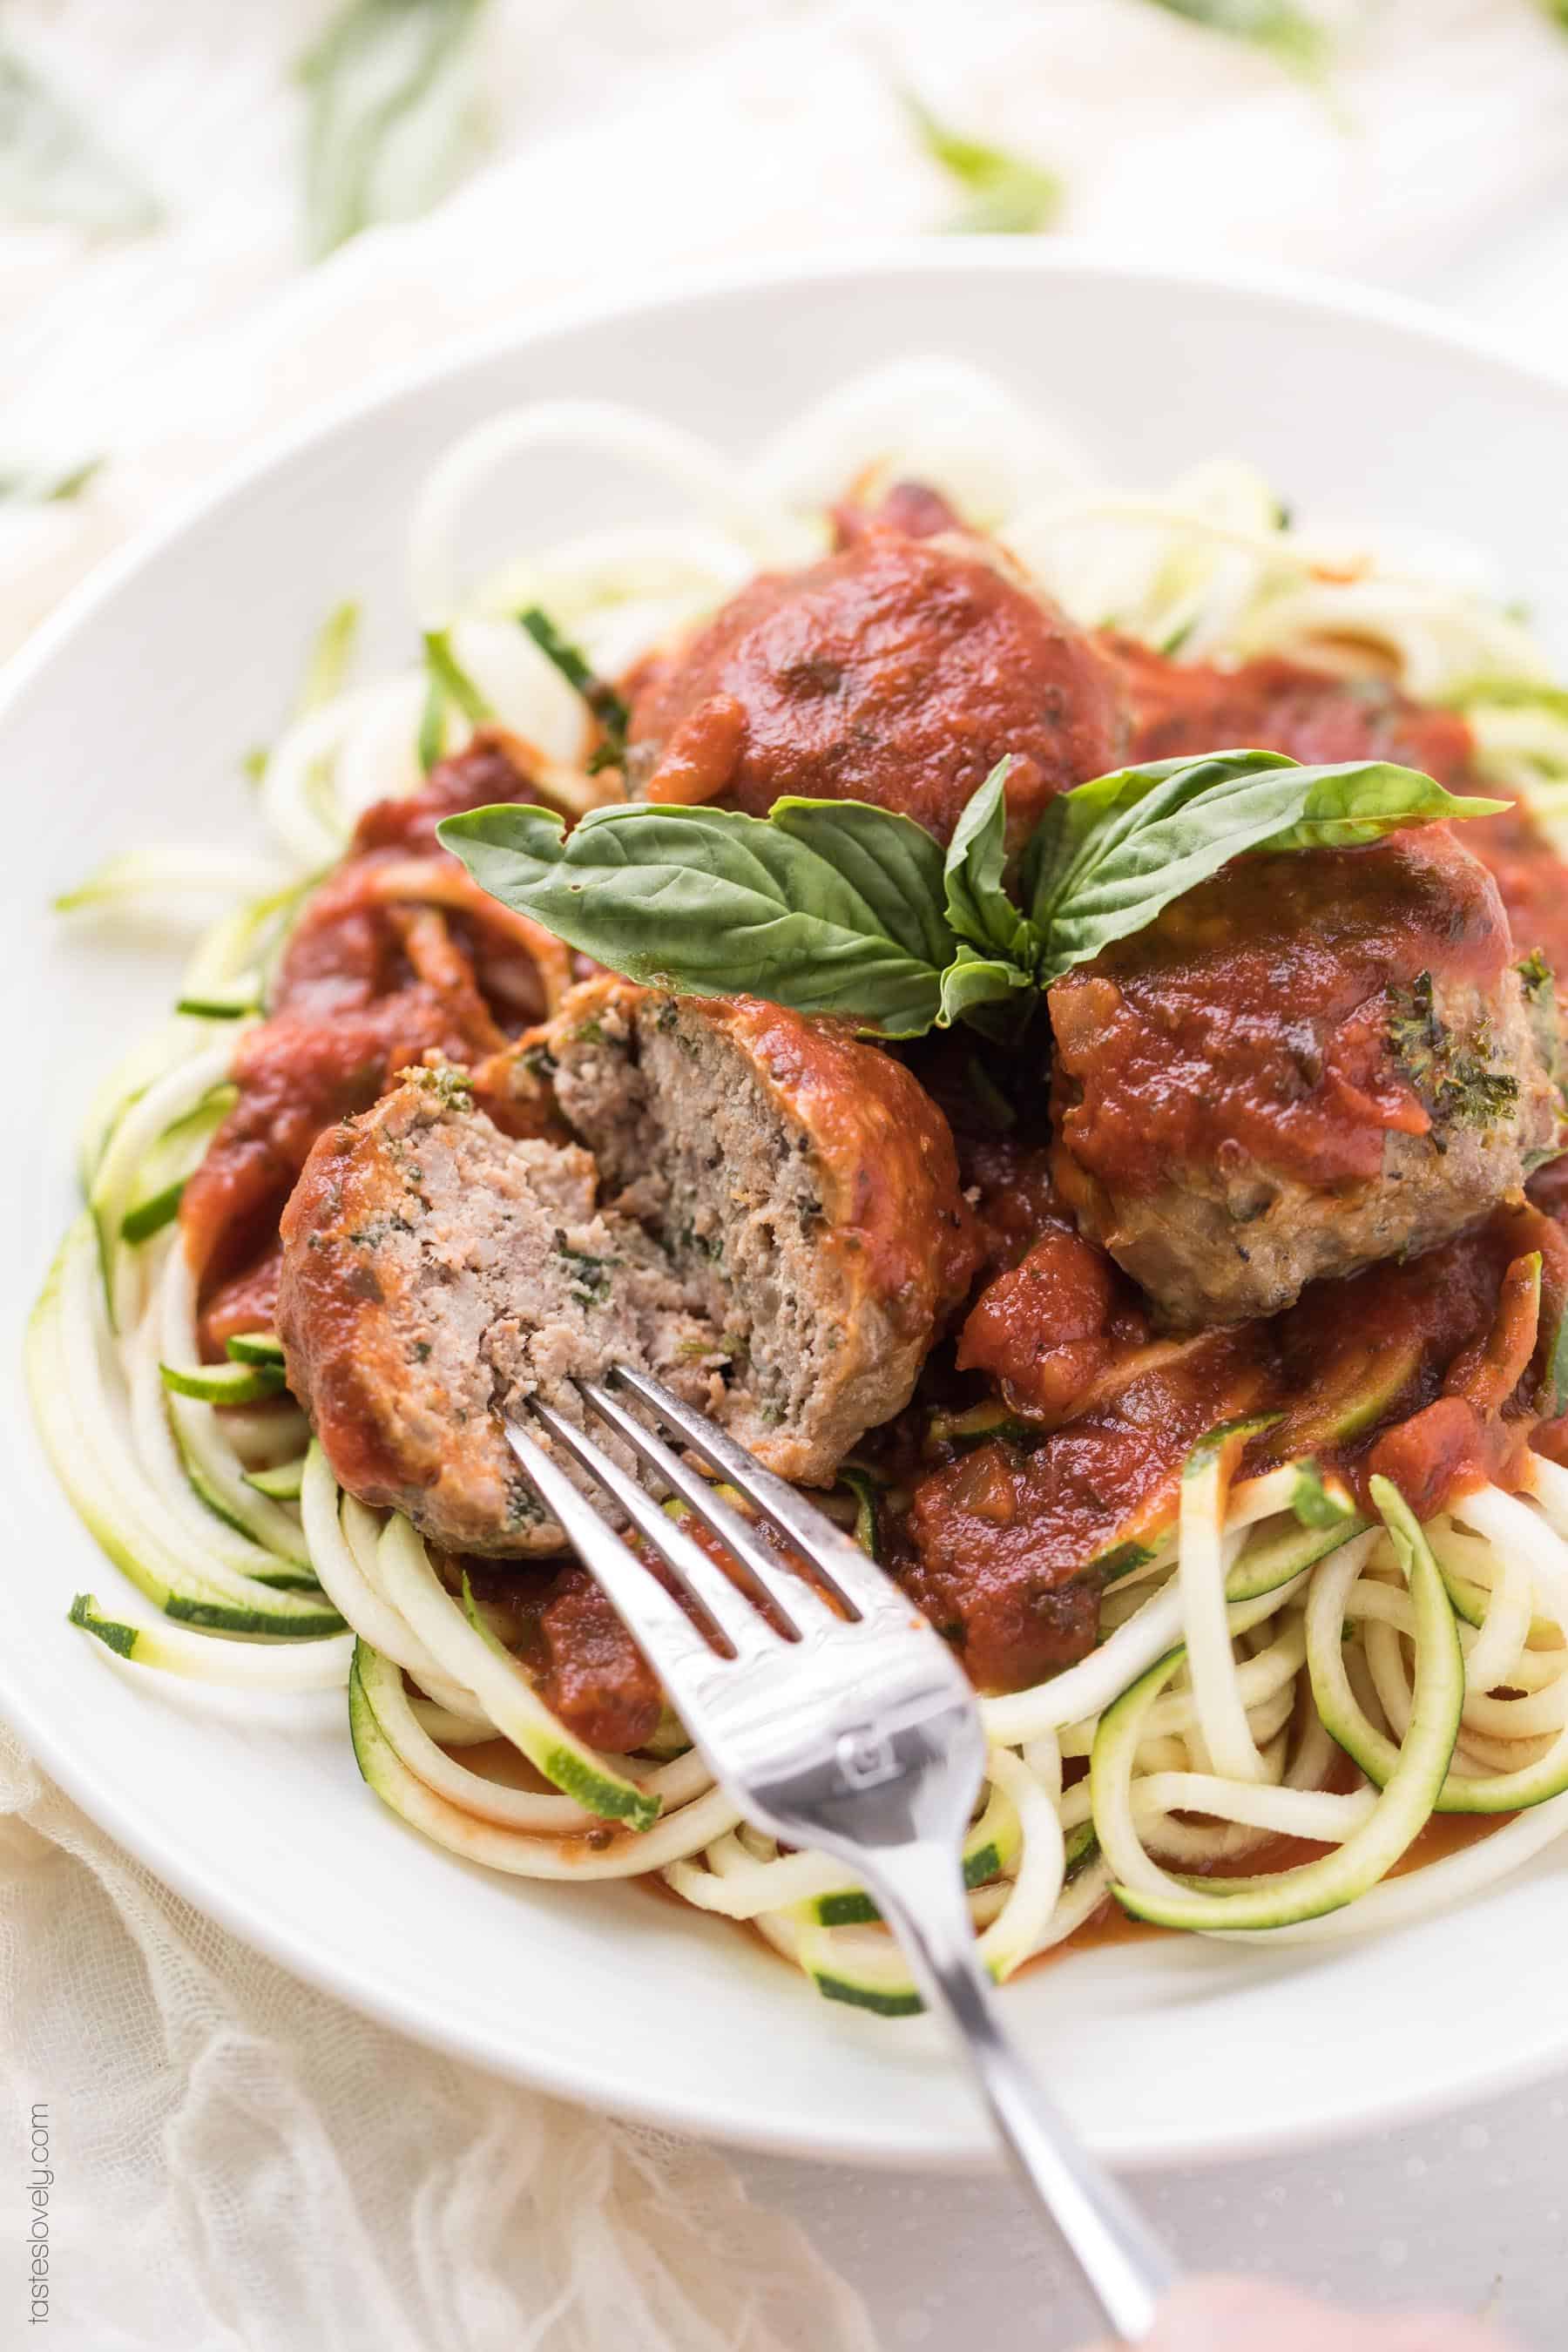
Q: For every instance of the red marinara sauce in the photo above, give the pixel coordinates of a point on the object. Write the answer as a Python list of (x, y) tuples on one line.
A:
[(897, 670), (1011, 1549), (1274, 705), (1249, 1021), (397, 954)]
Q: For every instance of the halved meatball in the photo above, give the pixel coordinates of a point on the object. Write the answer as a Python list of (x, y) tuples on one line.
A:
[(434, 1268), (758, 1209), (897, 671), (1308, 1064), (805, 1178)]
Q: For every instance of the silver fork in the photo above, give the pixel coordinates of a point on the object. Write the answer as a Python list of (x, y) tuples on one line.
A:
[(856, 1733)]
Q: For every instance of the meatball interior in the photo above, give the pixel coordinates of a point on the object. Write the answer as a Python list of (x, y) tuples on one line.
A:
[(763, 1213)]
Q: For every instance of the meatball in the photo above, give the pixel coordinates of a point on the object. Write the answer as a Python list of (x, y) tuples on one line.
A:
[(1281, 706), (1532, 880), (1274, 705), (759, 1210), (1306, 1065), (806, 1176), (434, 1268), (899, 671)]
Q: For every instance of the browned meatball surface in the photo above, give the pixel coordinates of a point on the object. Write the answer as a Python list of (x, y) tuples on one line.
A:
[(1308, 1064), (897, 671), (758, 1209)]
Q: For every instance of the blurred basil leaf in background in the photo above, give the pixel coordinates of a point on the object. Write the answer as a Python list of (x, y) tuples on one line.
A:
[(1005, 194), (394, 113), (54, 167), (1287, 33), (43, 486)]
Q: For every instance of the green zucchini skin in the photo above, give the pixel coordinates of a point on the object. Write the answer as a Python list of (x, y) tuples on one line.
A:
[(1409, 1794), (178, 1581), (223, 1384)]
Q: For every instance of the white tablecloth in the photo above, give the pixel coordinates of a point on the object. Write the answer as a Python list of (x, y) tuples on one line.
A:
[(1442, 169)]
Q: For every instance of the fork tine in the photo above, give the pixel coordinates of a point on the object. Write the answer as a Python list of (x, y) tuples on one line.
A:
[(792, 1595), (746, 1632), (653, 1618), (844, 1567)]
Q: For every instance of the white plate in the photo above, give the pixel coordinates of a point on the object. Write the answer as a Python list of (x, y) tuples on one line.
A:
[(124, 723)]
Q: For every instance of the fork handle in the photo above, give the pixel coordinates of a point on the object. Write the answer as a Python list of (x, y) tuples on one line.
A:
[(920, 1892)]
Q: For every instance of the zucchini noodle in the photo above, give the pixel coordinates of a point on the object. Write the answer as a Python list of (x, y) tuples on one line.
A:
[(1257, 1676)]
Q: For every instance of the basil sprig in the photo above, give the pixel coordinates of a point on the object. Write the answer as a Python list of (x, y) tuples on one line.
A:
[(834, 907), (828, 906), (1109, 856)]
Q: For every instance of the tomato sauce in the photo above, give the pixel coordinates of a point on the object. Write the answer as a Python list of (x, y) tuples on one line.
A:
[(1249, 1024), (1046, 1330), (897, 670), (1274, 705), (1386, 1373), (1012, 1547), (1432, 1372), (1443, 1834), (1533, 880), (396, 955)]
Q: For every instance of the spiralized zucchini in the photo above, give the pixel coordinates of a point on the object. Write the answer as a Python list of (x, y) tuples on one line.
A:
[(1274, 1640)]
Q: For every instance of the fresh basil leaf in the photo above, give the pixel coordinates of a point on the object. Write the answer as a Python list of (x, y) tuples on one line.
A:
[(713, 903), (890, 860), (1078, 822), (394, 113), (978, 908), (1111, 853), (974, 981), (1006, 194), (1286, 32), (54, 167), (1352, 804)]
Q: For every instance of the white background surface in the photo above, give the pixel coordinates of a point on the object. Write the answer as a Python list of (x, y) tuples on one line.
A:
[(1471, 2210)]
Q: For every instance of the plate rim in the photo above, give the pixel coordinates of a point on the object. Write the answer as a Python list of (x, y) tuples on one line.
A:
[(964, 2142)]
